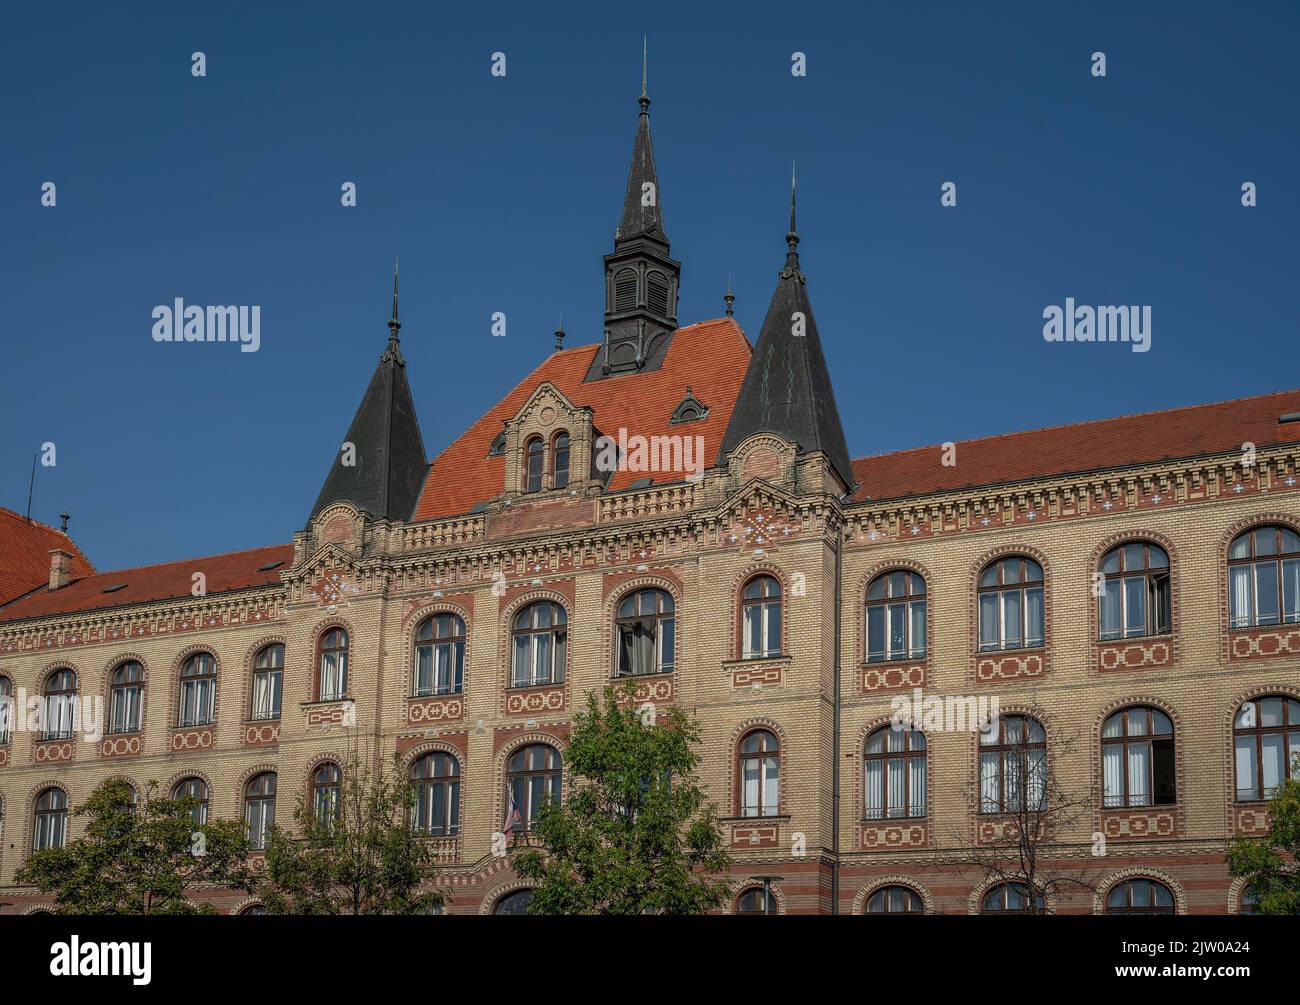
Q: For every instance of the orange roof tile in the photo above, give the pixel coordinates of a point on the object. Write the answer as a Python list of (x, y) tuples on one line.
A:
[(1191, 431), (710, 356), (235, 570), (25, 547)]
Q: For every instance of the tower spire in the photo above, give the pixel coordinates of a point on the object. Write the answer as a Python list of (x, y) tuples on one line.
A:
[(792, 237), (393, 324), (729, 298), (645, 94)]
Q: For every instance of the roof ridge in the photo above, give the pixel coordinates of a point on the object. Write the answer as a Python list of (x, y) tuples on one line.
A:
[(181, 561), (1083, 422), (39, 523)]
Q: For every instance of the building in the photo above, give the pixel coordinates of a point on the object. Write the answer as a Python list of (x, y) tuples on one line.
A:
[(680, 507)]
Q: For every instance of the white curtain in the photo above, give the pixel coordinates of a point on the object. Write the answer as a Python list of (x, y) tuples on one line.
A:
[(990, 782), (1139, 771), (916, 770), (1239, 595), (1246, 773), (875, 793), (1112, 772), (896, 786)]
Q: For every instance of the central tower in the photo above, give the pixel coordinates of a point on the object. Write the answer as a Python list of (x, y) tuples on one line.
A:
[(641, 279)]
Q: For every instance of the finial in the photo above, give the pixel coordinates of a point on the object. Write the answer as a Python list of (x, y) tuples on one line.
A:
[(729, 298), (63, 522), (645, 94), (393, 323), (559, 334), (792, 238)]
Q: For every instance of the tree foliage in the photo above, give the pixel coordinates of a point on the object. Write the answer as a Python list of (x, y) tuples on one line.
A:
[(144, 856), (1268, 864), (637, 834), (367, 857)]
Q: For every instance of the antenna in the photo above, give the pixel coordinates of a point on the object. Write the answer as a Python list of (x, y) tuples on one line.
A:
[(30, 485)]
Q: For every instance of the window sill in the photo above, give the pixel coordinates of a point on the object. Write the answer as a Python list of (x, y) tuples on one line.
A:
[(436, 694), (900, 661), (325, 701), (534, 687), (1011, 651), (886, 821), (123, 732), (778, 818), (745, 661), (641, 676)]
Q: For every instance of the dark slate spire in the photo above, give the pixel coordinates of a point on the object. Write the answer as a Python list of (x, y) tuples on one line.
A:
[(641, 280), (388, 451), (787, 387)]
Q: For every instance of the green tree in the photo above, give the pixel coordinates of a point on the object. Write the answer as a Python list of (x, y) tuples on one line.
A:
[(637, 835), (362, 855), (144, 856), (1268, 864)]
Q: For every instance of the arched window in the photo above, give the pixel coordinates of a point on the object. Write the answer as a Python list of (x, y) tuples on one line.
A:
[(535, 457), (625, 291), (1266, 740), (540, 632), (51, 827), (1013, 766), (333, 682), (752, 901), (196, 789), (254, 909), (513, 903), (1249, 903), (1264, 577), (760, 775), (760, 618), (326, 791), (534, 775), (60, 705), (647, 633), (895, 773), (560, 461), (1011, 604), (440, 655), (7, 712), (259, 808), (896, 617), (895, 900), (1140, 896), (1137, 758), (125, 697), (436, 779), (1135, 591), (198, 690), (268, 679), (1013, 898)]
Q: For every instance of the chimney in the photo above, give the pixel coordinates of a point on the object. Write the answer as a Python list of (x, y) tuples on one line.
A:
[(60, 568)]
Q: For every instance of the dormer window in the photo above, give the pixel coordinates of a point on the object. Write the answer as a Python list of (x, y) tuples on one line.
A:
[(498, 446), (690, 409), (560, 460), (534, 453)]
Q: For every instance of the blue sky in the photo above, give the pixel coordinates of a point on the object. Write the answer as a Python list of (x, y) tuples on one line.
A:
[(503, 194)]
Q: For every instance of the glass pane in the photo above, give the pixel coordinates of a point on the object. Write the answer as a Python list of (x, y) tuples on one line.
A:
[(988, 621), (1011, 615), (1240, 595), (1266, 599), (1110, 563), (918, 630), (1110, 603), (1266, 541), (1246, 774), (1135, 606), (876, 632), (1034, 617), (1010, 571), (1270, 711), (897, 631), (1240, 547)]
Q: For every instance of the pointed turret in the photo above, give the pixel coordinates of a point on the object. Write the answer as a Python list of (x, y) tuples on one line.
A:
[(641, 279), (383, 470), (787, 387)]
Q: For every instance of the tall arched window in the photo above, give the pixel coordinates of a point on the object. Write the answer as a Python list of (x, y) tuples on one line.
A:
[(196, 789), (895, 900), (1140, 896), (513, 903), (51, 825), (647, 633), (534, 460), (896, 617), (1011, 604), (268, 679), (440, 655), (259, 808), (560, 461), (540, 633), (1013, 898), (198, 690), (760, 618), (1264, 577), (125, 698), (1266, 741), (333, 679), (1137, 758), (1013, 766), (60, 705), (7, 712), (534, 775), (326, 792), (894, 762), (1135, 591), (760, 774), (436, 778)]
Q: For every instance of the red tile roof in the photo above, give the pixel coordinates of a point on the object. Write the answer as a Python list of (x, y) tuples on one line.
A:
[(710, 356), (25, 547), (1192, 431), (235, 570)]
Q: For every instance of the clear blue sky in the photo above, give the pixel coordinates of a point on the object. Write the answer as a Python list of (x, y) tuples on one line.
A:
[(502, 195)]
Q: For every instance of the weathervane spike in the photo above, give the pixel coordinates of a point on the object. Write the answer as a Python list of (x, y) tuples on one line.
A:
[(645, 94), (393, 324)]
